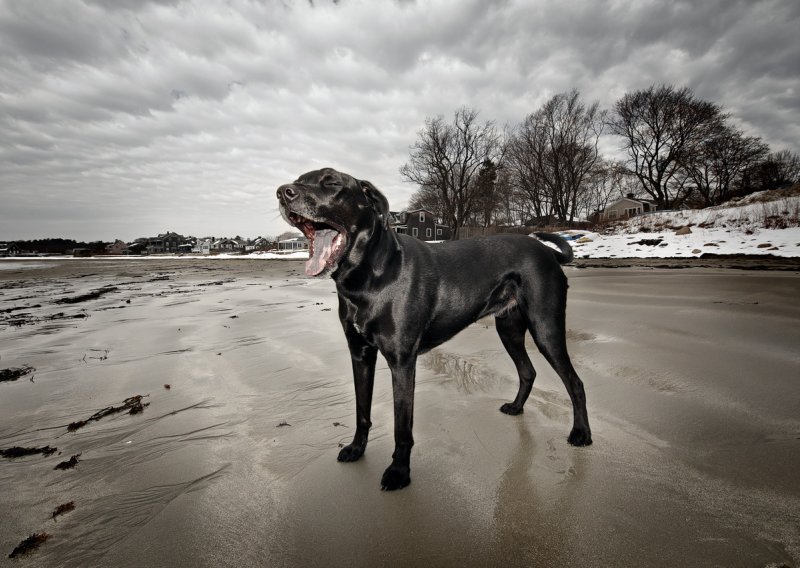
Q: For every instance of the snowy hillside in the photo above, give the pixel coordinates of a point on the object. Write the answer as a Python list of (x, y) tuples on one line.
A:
[(748, 226)]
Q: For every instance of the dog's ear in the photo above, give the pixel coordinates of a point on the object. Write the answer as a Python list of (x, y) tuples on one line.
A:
[(377, 200)]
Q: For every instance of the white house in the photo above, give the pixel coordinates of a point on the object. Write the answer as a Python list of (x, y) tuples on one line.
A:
[(202, 246), (295, 243), (626, 208)]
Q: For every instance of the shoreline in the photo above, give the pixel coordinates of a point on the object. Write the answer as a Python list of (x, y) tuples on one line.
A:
[(765, 262), (733, 261)]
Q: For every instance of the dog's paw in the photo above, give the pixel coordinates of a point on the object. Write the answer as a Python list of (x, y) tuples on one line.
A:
[(395, 477), (579, 437), (512, 409), (351, 453)]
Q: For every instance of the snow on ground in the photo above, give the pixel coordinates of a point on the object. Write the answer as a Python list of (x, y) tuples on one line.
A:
[(746, 227), (299, 255), (667, 244)]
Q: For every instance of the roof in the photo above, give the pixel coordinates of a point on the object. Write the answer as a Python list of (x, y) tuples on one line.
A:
[(623, 200)]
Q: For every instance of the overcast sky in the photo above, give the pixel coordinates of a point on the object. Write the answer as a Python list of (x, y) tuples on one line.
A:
[(122, 119)]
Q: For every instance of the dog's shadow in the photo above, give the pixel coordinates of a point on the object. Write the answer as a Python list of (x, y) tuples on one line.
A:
[(537, 494)]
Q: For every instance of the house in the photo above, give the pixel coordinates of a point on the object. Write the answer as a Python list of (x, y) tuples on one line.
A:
[(117, 248), (293, 244), (226, 246), (625, 208), (166, 243), (9, 249), (137, 247), (202, 246), (261, 243), (419, 223)]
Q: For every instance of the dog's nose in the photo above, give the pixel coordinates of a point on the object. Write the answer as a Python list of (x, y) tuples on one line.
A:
[(288, 192)]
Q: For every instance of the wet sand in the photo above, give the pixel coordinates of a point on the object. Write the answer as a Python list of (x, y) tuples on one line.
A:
[(692, 385)]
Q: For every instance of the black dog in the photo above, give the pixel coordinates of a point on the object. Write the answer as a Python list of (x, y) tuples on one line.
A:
[(402, 297)]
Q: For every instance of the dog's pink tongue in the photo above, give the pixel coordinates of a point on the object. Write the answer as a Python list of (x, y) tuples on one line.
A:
[(321, 251)]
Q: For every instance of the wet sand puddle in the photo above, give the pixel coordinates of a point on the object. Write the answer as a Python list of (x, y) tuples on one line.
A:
[(107, 450)]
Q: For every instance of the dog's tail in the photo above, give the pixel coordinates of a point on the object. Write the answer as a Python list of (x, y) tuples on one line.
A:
[(564, 252)]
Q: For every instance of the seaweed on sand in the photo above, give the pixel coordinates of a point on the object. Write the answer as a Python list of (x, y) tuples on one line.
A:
[(63, 508), (19, 308), (29, 544), (13, 373), (70, 463), (19, 452), (133, 405), (26, 318), (88, 296)]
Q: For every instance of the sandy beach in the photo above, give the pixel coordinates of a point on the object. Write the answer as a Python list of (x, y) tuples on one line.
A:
[(691, 378)]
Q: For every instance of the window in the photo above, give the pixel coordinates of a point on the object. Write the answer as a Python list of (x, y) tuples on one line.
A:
[(438, 232), (428, 233), (414, 232), (422, 217)]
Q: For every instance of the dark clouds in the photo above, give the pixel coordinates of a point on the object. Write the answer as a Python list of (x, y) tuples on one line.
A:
[(123, 119)]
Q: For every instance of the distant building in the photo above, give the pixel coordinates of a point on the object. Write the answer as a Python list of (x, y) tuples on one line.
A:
[(9, 249), (261, 243), (293, 244), (166, 243), (202, 246), (625, 208), (117, 248), (419, 223), (226, 246)]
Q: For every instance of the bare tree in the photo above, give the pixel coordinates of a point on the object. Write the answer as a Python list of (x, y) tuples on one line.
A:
[(606, 181), (721, 161), (427, 198), (778, 169), (488, 191), (510, 206), (446, 159), (554, 152), (526, 175), (661, 127)]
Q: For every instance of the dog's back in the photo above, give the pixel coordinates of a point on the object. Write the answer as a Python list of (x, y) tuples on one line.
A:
[(472, 278)]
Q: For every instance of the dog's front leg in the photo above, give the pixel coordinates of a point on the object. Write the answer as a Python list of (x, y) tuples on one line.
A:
[(398, 474), (363, 358)]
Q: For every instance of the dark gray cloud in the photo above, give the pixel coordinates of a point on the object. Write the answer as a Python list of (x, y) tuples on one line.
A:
[(123, 119)]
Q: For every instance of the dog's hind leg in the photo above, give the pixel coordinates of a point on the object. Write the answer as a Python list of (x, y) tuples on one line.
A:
[(549, 333), (511, 327)]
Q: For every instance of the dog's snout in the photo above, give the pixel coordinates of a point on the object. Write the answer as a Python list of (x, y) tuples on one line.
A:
[(288, 192)]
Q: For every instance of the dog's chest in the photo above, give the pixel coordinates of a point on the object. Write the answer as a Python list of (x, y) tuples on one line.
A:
[(368, 319), (354, 313)]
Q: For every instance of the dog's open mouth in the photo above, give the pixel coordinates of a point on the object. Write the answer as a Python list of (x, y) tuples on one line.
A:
[(325, 244)]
